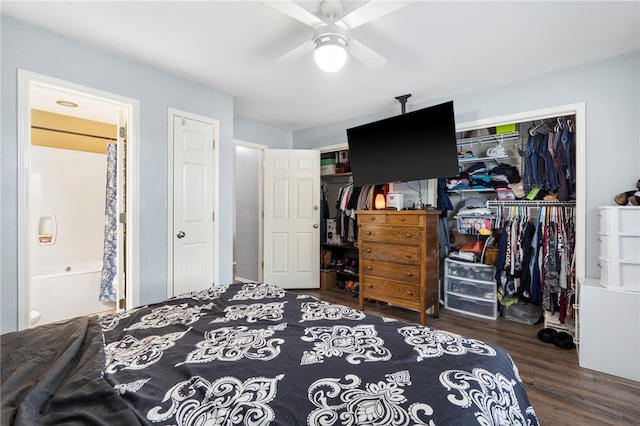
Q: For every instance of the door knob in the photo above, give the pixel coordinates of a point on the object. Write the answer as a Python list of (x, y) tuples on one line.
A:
[(315, 225), (180, 234)]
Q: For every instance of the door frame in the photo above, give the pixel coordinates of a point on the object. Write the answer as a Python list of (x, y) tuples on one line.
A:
[(26, 80), (171, 113), (260, 212)]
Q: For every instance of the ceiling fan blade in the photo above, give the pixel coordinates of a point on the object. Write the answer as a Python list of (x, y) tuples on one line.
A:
[(296, 12), (297, 52), (372, 10), (365, 55)]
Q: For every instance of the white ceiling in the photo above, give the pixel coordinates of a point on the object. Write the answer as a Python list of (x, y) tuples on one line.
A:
[(434, 49)]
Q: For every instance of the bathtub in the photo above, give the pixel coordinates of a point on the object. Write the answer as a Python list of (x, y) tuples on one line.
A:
[(65, 291)]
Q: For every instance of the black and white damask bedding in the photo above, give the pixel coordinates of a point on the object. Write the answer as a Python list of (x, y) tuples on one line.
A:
[(258, 355)]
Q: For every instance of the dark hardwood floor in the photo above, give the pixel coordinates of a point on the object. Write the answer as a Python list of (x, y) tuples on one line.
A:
[(561, 392)]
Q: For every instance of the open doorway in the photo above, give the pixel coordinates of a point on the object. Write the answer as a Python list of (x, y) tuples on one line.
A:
[(75, 200), (248, 218)]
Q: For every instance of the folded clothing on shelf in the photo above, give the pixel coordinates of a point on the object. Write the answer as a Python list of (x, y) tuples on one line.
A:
[(466, 256)]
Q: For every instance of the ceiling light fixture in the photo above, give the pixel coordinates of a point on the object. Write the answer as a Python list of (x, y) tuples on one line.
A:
[(331, 48), (67, 104)]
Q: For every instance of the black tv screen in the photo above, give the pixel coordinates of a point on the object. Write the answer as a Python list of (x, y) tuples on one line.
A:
[(413, 146)]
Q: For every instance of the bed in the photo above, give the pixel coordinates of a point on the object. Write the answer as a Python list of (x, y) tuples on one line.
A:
[(255, 354)]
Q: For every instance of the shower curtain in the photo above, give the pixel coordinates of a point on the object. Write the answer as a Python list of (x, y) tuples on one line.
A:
[(108, 291)]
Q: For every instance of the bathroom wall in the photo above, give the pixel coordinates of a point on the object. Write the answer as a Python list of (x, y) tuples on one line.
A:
[(69, 185)]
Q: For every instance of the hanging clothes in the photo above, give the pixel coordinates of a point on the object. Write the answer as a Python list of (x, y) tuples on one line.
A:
[(549, 158), (108, 290), (562, 166), (536, 260), (324, 212), (351, 198), (445, 206)]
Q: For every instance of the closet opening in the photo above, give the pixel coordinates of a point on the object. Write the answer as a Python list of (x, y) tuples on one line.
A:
[(521, 181)]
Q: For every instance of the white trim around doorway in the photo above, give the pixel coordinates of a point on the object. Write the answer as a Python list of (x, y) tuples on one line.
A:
[(27, 80)]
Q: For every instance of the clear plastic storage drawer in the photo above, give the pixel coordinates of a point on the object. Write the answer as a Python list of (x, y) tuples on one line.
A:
[(469, 271), (479, 308), (483, 290)]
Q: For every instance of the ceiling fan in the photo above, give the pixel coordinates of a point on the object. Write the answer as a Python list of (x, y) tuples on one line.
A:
[(331, 40)]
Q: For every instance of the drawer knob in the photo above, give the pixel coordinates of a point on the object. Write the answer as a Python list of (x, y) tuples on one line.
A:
[(409, 274), (373, 218), (368, 232), (409, 235), (410, 292), (408, 255), (368, 250), (369, 285), (402, 219), (369, 267)]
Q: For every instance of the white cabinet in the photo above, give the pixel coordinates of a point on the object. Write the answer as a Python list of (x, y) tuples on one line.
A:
[(620, 247), (609, 308), (609, 330)]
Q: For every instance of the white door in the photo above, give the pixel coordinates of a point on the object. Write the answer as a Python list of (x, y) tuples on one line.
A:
[(193, 215), (292, 218)]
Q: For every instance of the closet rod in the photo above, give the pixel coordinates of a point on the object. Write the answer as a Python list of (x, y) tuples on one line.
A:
[(530, 203), (68, 132)]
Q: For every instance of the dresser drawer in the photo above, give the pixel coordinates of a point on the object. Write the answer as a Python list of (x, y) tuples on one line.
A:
[(620, 219), (390, 234), (380, 218), (400, 219), (391, 253), (620, 274), (624, 247), (391, 271), (381, 289)]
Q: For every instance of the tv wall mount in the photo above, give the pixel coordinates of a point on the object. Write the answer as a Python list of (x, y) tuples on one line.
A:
[(403, 101)]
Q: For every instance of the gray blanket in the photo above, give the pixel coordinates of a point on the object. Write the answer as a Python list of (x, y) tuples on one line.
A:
[(53, 375)]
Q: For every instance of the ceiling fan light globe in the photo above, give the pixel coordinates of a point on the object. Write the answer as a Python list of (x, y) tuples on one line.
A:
[(330, 57)]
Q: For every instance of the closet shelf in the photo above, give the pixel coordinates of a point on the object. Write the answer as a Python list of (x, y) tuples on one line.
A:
[(477, 159), (461, 191), (336, 175), (489, 138)]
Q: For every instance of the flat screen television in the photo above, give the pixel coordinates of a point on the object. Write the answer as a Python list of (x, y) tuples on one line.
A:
[(416, 145)]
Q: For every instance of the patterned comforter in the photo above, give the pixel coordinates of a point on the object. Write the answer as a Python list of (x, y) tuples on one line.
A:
[(256, 354)]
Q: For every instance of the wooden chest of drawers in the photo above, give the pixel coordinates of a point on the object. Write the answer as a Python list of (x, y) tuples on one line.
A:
[(399, 261)]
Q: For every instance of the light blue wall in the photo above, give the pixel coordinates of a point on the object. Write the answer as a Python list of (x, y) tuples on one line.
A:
[(611, 92), (40, 51), (252, 131)]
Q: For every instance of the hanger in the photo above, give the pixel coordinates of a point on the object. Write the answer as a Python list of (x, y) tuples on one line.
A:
[(558, 125), (535, 127)]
